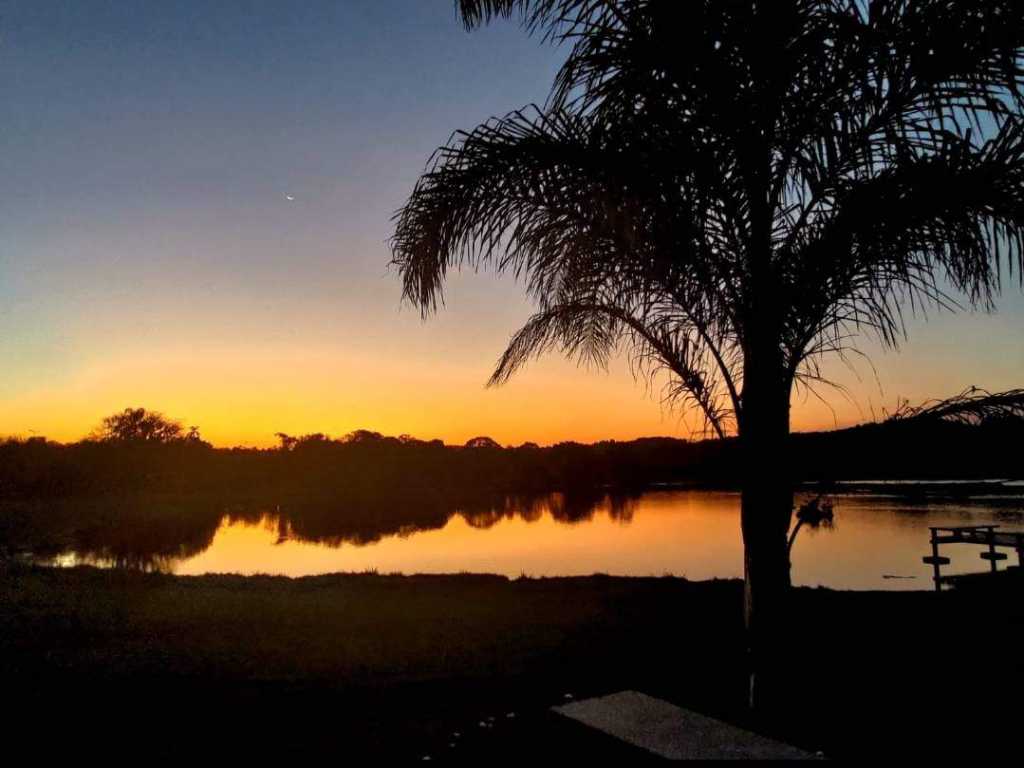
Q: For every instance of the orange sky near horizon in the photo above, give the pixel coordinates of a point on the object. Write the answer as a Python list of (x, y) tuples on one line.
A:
[(196, 216), (430, 384)]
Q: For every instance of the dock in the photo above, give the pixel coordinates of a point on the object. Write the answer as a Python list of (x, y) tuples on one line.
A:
[(984, 535), (667, 731)]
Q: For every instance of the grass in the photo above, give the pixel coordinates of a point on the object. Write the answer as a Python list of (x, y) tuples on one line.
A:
[(394, 664)]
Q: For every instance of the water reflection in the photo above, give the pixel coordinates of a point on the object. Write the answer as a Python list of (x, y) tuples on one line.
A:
[(154, 533), (877, 541)]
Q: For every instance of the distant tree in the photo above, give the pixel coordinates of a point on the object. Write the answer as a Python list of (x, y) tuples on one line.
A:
[(312, 439), (137, 425), (482, 442), (363, 436), (287, 441), (734, 189)]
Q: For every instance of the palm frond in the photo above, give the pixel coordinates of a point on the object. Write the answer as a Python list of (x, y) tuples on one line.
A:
[(737, 178), (973, 406)]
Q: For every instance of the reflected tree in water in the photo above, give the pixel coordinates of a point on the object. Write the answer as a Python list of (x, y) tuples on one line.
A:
[(154, 534)]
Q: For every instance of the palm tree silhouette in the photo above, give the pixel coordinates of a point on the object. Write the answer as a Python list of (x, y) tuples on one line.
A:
[(737, 189)]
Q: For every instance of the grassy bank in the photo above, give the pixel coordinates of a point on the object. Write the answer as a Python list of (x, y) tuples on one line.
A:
[(395, 665)]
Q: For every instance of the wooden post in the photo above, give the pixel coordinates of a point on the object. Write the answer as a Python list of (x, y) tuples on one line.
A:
[(992, 556), (935, 560)]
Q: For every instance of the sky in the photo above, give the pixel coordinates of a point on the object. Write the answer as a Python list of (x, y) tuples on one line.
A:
[(195, 200)]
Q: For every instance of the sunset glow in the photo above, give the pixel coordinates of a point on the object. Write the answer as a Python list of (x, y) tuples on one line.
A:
[(241, 394), (584, 381), (167, 266)]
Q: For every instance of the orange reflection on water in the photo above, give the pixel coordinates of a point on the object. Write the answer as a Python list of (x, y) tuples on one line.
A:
[(877, 544), (648, 544)]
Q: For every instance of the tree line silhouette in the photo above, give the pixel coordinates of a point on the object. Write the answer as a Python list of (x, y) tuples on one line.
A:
[(142, 492), (972, 435)]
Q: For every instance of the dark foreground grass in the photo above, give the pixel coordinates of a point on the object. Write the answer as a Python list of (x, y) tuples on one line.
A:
[(345, 665)]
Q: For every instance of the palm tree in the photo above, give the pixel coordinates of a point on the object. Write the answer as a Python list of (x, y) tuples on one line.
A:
[(736, 189)]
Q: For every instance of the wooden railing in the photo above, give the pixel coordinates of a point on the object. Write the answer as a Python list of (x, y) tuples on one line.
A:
[(985, 535)]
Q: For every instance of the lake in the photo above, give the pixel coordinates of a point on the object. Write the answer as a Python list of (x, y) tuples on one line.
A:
[(876, 542)]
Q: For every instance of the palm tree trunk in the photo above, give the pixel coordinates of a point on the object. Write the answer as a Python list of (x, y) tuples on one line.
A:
[(766, 511), (766, 582)]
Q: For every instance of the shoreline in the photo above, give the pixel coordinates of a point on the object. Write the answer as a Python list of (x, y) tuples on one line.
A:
[(411, 659)]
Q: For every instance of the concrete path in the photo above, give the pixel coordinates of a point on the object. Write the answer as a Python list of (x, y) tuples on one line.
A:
[(673, 732)]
